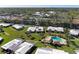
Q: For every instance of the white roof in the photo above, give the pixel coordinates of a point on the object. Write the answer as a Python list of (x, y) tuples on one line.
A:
[(51, 28), (18, 26), (49, 51), (1, 38), (52, 12), (60, 29), (5, 24), (39, 28), (44, 51), (37, 13), (24, 47), (47, 15), (35, 28), (31, 29), (12, 44), (74, 31)]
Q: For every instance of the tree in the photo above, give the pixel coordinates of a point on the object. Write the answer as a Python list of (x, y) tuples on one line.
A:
[(72, 14)]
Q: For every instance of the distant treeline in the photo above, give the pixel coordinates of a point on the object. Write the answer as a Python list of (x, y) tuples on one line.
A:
[(31, 10)]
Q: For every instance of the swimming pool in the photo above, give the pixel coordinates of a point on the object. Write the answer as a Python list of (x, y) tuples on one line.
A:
[(56, 38)]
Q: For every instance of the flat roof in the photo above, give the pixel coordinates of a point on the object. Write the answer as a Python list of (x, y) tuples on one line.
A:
[(44, 51), (49, 51), (74, 31), (24, 47), (56, 51), (12, 44), (39, 28), (18, 26), (60, 29), (36, 28), (5, 24), (31, 29)]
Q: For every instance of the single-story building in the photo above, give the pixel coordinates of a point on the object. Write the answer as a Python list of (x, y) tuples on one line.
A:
[(58, 29), (35, 29), (74, 32), (24, 48), (1, 39), (5, 24), (12, 45), (49, 51), (18, 26)]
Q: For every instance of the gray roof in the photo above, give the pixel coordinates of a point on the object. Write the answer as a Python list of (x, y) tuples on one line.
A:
[(12, 45), (74, 31), (24, 47)]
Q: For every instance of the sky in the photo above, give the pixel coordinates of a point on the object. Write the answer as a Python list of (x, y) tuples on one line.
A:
[(39, 6), (39, 2)]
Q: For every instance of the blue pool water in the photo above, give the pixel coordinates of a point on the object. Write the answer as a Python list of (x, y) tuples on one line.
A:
[(56, 38)]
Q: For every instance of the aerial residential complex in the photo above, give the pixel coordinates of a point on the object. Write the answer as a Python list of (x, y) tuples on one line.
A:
[(39, 30)]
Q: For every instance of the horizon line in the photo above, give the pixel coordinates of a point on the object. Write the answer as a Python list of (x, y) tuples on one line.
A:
[(39, 6)]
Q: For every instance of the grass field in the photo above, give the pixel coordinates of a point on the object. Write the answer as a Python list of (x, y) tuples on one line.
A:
[(10, 33)]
